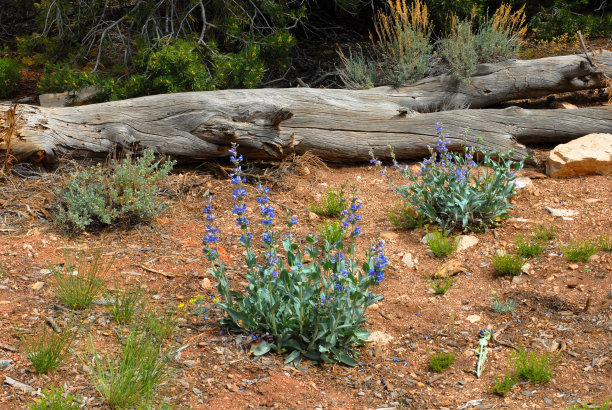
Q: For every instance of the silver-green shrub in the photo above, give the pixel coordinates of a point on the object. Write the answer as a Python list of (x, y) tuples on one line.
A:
[(125, 191)]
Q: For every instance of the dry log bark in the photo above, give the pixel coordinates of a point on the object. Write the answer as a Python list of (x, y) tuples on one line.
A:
[(337, 125)]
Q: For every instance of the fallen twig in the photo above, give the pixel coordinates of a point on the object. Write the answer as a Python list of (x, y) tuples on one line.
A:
[(166, 274)]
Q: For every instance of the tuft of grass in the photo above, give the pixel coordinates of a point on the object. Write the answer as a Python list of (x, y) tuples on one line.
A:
[(331, 232), (441, 361), (46, 349), (503, 307), (55, 399), (332, 204), (528, 248), (132, 377), (441, 245), (605, 243), (442, 285), (533, 366), (404, 216), (80, 281), (579, 251), (543, 233), (508, 264), (125, 303), (160, 326), (503, 385)]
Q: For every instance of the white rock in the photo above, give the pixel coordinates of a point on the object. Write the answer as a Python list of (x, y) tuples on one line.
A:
[(473, 318), (407, 260), (38, 285), (561, 212), (379, 338), (591, 154), (523, 182), (466, 241)]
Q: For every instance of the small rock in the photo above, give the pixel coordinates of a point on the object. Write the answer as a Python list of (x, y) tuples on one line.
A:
[(466, 241), (473, 318), (427, 237), (561, 212), (450, 268), (389, 235), (573, 266), (572, 283), (379, 340), (196, 391), (374, 307), (527, 393), (523, 182), (594, 258), (44, 271), (4, 364), (38, 285), (407, 260), (547, 401), (420, 384), (517, 279), (527, 269), (206, 285), (361, 393), (610, 295), (312, 216)]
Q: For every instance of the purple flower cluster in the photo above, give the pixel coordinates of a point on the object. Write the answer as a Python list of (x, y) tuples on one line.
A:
[(239, 194), (351, 217), (211, 239), (267, 211), (381, 262)]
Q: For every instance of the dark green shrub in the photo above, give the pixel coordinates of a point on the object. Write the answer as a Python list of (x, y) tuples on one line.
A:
[(125, 191), (507, 264), (9, 77)]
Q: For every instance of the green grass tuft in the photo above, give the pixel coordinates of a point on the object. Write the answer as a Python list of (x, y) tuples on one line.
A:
[(403, 216), (441, 285), (507, 264), (605, 243), (504, 385), (544, 234), (440, 244), (46, 349), (529, 248), (125, 304), (533, 366), (79, 282), (55, 399), (579, 251), (332, 204), (441, 361)]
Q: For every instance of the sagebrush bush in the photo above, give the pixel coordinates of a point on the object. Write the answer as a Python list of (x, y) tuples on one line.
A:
[(357, 72), (124, 191), (9, 77), (459, 49), (403, 40), (500, 37), (453, 192), (308, 302)]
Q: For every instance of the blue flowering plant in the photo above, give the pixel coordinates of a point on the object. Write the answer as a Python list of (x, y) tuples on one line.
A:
[(308, 298), (452, 191)]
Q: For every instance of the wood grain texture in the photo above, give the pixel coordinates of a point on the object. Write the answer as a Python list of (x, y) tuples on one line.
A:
[(337, 125)]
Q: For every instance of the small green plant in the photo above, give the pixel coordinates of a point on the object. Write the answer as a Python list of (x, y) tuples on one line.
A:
[(579, 250), (79, 281), (594, 406), (125, 303), (507, 264), (441, 361), (441, 285), (132, 377), (46, 349), (605, 243), (332, 204), (357, 72), (159, 325), (543, 233), (452, 191), (55, 399), (506, 306), (404, 216), (441, 244), (124, 191), (9, 77), (331, 232), (503, 385), (528, 247), (534, 366), (500, 37)]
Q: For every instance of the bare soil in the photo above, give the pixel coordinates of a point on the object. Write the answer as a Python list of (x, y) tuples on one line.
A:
[(563, 308)]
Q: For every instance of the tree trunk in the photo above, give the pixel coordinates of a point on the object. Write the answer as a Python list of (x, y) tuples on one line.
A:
[(337, 125)]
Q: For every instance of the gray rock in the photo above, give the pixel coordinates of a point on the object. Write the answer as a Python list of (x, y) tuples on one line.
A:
[(407, 260), (466, 241), (561, 212), (4, 364)]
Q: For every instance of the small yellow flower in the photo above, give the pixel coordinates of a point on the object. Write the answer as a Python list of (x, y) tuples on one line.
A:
[(493, 292), (216, 300), (181, 305), (191, 301)]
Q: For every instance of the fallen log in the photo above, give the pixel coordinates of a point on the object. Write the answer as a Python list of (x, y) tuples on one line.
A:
[(337, 125)]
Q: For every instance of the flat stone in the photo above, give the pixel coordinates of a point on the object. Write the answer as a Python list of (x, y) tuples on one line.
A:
[(450, 268), (407, 260), (389, 235), (523, 182), (466, 241), (591, 154), (561, 212), (38, 285), (573, 266), (427, 237), (572, 283), (206, 285), (473, 318)]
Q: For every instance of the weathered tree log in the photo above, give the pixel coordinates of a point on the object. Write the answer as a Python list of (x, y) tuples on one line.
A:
[(337, 125)]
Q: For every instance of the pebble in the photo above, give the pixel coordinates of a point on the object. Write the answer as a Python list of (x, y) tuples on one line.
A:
[(407, 260), (473, 318), (5, 363), (564, 213), (38, 285), (573, 266), (610, 295), (547, 401), (196, 391), (527, 393)]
